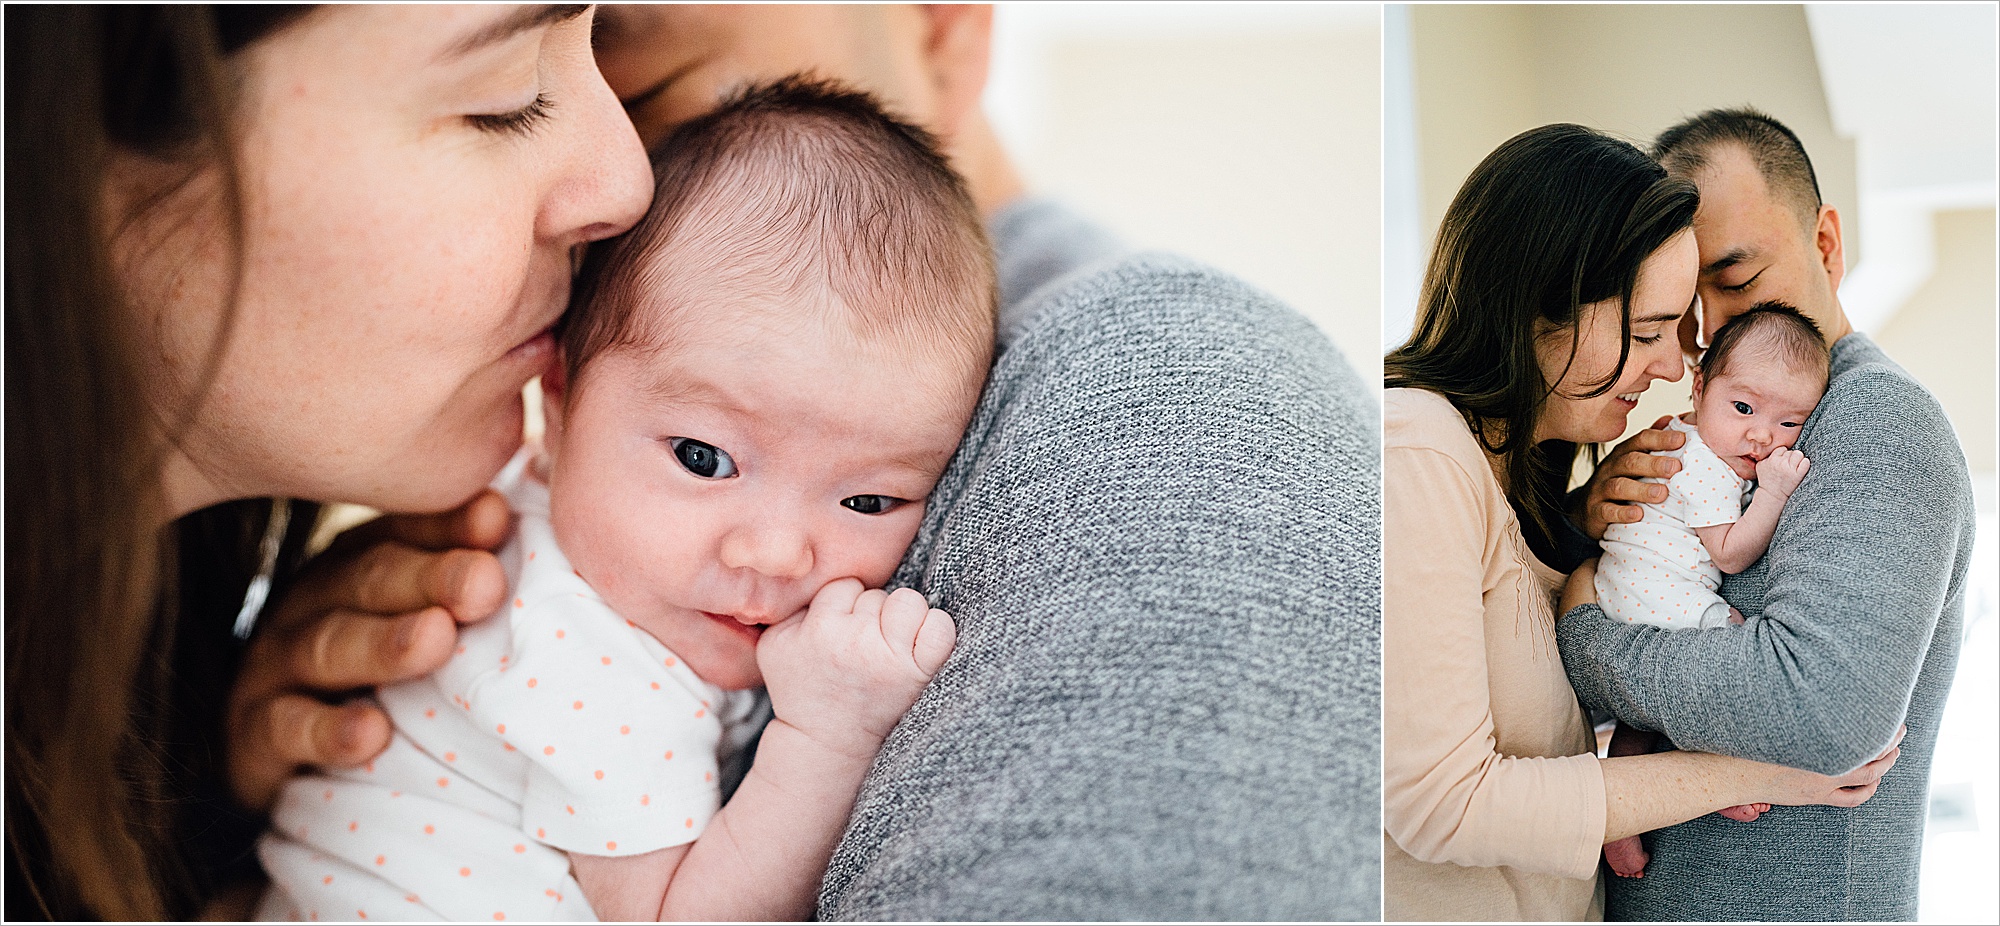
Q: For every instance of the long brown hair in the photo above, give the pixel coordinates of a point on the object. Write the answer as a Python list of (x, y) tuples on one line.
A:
[(90, 627), (1555, 219)]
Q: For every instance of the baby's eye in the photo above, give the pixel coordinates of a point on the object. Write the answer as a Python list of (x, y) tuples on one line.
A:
[(1742, 408), (701, 459), (1788, 424), (872, 504)]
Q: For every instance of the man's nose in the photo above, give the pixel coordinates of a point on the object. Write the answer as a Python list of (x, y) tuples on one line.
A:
[(778, 551)]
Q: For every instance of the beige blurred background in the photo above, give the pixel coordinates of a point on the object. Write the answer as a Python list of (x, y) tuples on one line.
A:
[(1895, 105), (1244, 135)]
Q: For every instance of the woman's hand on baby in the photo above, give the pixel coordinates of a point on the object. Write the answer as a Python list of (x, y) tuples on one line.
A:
[(1782, 471), (1617, 487), (846, 670), (380, 605), (1795, 786)]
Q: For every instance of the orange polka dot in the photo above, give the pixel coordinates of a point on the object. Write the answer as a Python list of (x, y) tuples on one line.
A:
[(498, 915), (444, 782), (465, 872), (561, 634), (370, 767), (656, 686), (531, 556), (429, 829), (519, 603), (549, 892), (541, 833), (605, 659), (520, 848), (670, 661), (326, 880), (576, 706), (690, 823), (600, 774), (507, 746), (670, 755), (701, 712), (412, 898), (352, 825), (451, 757), (548, 750), (708, 776), (612, 845), (572, 810), (502, 729), (380, 859), (328, 795), (461, 651), (625, 731), (645, 799), (531, 683), (363, 914), (430, 713)]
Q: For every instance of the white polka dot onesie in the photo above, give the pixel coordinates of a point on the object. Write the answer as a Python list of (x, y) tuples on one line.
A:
[(1656, 571), (557, 726)]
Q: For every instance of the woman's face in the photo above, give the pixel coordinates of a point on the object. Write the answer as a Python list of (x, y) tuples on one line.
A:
[(1664, 292), (416, 180)]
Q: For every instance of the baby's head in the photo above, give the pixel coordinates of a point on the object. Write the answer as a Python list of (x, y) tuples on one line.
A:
[(763, 380), (1760, 378)]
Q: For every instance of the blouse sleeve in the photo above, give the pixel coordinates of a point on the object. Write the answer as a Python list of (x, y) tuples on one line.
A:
[(1448, 795)]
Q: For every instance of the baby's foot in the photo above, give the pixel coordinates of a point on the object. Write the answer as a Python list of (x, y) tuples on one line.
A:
[(1745, 812), (1627, 857)]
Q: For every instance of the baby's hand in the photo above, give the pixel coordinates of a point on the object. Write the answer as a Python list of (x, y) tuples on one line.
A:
[(1782, 471), (844, 672)]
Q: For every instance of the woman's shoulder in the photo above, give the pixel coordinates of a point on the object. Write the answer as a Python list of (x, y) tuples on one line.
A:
[(1419, 419)]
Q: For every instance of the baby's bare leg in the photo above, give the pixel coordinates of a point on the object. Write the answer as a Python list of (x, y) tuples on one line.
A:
[(1627, 857)]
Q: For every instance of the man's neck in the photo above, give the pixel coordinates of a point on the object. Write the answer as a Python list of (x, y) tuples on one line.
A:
[(989, 173)]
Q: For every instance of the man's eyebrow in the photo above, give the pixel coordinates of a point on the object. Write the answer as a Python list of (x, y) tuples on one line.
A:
[(514, 23), (1730, 259)]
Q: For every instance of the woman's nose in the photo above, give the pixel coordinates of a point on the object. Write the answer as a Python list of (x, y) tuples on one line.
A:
[(606, 183), (775, 551), (1667, 364)]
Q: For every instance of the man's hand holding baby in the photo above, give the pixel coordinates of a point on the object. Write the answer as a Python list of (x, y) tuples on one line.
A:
[(844, 672), (1782, 471)]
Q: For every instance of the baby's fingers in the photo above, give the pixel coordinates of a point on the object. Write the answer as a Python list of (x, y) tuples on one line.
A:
[(837, 597), (935, 639), (902, 617)]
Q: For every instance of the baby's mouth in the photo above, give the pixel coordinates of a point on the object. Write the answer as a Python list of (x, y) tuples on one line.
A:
[(750, 631)]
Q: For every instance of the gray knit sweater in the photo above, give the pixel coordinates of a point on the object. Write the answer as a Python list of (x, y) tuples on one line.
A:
[(1854, 622), (1161, 541)]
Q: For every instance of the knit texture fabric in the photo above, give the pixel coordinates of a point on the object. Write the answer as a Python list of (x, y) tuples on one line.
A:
[(1161, 541), (1855, 616)]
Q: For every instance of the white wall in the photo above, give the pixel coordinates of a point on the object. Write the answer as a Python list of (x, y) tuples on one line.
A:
[(1244, 135)]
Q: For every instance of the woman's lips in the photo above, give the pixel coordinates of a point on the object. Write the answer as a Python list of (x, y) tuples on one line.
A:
[(538, 348)]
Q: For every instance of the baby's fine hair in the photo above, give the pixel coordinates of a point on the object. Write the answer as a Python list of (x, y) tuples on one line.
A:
[(1774, 331), (793, 188)]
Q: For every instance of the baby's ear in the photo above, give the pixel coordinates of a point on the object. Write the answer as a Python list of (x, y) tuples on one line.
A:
[(1696, 398), (555, 389)]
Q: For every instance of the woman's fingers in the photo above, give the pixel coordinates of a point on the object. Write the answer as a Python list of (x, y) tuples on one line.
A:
[(279, 736), (351, 649), (393, 578), (482, 523)]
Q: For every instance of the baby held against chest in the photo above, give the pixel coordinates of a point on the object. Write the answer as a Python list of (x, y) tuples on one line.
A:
[(759, 386), (1757, 383), (1755, 387)]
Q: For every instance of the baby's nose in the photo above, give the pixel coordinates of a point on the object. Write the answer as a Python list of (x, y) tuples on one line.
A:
[(772, 550)]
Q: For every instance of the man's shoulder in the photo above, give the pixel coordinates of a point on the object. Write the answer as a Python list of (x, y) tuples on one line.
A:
[(1878, 402), (1185, 326)]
